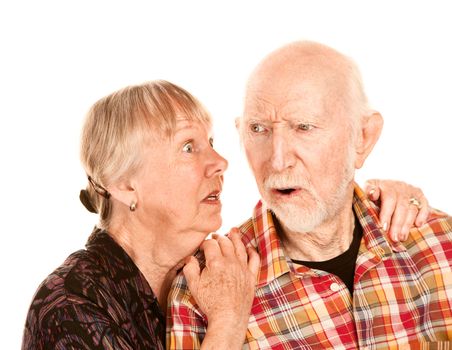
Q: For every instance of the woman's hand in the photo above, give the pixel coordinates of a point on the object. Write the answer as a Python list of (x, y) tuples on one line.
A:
[(402, 206), (224, 289)]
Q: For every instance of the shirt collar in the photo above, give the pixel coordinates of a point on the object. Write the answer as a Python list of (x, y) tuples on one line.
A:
[(375, 238), (273, 259), (274, 262)]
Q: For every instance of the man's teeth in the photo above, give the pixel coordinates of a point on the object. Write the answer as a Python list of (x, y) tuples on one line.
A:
[(213, 197)]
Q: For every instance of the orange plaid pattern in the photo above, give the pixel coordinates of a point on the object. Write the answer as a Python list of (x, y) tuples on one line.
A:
[(402, 292)]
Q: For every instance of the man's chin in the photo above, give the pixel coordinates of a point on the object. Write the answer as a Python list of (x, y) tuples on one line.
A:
[(298, 218)]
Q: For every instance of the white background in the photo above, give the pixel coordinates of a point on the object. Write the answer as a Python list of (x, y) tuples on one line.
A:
[(59, 57)]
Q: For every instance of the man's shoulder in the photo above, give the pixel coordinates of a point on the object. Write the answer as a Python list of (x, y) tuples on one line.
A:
[(436, 215), (438, 223), (434, 237)]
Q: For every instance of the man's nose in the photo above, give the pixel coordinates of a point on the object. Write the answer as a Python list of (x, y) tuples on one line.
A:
[(282, 155)]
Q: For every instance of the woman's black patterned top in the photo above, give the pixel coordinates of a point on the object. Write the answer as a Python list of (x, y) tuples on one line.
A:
[(98, 299)]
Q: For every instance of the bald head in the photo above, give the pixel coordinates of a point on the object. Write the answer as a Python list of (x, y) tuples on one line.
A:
[(291, 68)]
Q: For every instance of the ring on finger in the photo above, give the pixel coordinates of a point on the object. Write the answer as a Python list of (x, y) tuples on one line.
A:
[(414, 201)]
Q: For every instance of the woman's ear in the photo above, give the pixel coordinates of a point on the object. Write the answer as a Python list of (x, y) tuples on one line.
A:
[(368, 136), (123, 192)]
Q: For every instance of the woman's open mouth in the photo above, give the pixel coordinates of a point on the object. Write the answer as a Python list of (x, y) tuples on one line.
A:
[(213, 197)]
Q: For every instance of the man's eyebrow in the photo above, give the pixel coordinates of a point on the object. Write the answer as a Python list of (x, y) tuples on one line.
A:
[(254, 119)]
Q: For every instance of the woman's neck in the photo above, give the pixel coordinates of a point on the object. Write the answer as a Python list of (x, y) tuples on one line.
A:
[(157, 259)]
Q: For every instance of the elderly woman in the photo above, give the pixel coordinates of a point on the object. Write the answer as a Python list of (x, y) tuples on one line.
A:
[(155, 180)]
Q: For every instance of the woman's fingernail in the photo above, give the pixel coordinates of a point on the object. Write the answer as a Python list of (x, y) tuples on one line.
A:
[(394, 236), (385, 226)]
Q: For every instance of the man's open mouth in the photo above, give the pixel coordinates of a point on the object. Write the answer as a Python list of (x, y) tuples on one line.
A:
[(285, 190)]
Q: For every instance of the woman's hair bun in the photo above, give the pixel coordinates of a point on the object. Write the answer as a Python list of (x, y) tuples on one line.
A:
[(85, 198)]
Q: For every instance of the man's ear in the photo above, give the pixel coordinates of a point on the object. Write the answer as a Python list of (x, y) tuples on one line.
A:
[(369, 133), (238, 126), (123, 192), (238, 120)]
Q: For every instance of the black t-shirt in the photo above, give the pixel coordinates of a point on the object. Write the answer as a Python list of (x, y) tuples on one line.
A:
[(343, 266)]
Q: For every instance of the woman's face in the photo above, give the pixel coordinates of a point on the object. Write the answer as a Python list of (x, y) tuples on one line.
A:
[(180, 183)]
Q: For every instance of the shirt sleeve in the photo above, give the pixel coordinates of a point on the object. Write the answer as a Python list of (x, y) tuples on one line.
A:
[(186, 324), (73, 326)]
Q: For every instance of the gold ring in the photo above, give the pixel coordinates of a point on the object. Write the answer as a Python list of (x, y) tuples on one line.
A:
[(414, 201)]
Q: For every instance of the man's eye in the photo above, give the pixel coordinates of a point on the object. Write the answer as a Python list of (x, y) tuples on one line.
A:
[(188, 147), (211, 142), (304, 126), (257, 128)]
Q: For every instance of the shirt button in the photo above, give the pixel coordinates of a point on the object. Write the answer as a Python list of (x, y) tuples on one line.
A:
[(335, 287)]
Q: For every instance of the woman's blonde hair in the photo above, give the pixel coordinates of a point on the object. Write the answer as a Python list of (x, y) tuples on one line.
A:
[(117, 128)]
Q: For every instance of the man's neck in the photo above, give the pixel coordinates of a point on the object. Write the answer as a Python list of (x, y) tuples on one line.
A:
[(328, 240)]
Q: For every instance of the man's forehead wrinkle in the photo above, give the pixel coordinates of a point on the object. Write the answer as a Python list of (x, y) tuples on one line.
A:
[(293, 106), (262, 99), (259, 103), (262, 103)]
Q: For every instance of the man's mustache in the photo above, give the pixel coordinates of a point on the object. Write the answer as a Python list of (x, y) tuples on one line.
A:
[(287, 180)]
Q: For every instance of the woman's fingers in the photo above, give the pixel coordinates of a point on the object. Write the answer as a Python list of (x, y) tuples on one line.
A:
[(225, 244), (387, 209), (230, 247), (372, 189), (192, 272), (401, 206), (211, 249), (225, 288), (239, 247), (423, 214), (254, 261), (411, 215), (418, 200)]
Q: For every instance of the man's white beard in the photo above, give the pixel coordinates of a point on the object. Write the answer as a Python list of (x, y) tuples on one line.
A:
[(299, 218), (314, 211)]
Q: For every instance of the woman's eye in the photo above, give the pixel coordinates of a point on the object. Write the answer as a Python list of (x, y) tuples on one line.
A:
[(257, 128), (304, 126), (188, 147)]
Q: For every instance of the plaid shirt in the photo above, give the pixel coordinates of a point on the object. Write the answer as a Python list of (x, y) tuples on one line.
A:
[(402, 292)]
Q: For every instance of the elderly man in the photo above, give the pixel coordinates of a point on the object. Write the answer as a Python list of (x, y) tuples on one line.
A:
[(329, 275)]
